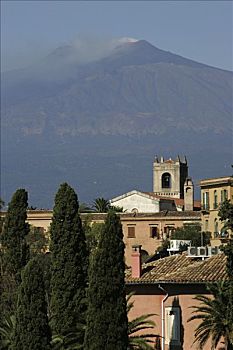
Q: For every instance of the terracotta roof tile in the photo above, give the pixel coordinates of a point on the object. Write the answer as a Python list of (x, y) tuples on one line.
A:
[(180, 268)]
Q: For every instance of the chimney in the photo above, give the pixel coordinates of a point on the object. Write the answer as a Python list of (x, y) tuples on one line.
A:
[(136, 261)]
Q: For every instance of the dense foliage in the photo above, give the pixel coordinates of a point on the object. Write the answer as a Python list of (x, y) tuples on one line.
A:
[(226, 215), (216, 317), (14, 252), (37, 241), (192, 233), (69, 263), (32, 329), (101, 205), (107, 317), (15, 230)]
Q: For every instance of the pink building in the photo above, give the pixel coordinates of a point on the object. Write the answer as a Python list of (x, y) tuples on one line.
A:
[(166, 287)]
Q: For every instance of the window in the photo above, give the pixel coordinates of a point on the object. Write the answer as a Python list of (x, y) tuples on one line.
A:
[(131, 231), (166, 180), (215, 228), (205, 201), (224, 195), (206, 225), (168, 230), (215, 200), (154, 232), (172, 325)]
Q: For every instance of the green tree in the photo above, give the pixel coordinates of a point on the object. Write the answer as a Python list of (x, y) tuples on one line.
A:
[(117, 209), (7, 329), (215, 315), (84, 208), (69, 264), (15, 230), (32, 331), (226, 215), (2, 203), (101, 205), (139, 341), (228, 250), (107, 323), (93, 234), (14, 252), (192, 233), (37, 241)]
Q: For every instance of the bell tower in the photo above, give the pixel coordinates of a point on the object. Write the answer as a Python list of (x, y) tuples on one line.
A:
[(169, 177), (188, 194)]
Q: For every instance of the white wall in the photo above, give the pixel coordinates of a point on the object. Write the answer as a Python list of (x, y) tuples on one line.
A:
[(136, 201)]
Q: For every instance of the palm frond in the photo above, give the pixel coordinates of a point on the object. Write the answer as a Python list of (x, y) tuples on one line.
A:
[(216, 319), (139, 341)]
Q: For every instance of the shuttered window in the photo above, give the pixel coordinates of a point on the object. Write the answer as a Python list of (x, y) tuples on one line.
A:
[(131, 231), (172, 325)]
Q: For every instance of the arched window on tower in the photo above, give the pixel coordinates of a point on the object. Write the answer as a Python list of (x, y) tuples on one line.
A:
[(166, 180)]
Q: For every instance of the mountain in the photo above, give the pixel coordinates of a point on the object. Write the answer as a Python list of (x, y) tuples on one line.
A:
[(98, 123)]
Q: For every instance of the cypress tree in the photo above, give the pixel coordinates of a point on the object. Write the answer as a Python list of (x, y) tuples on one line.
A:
[(107, 323), (69, 264), (32, 330), (15, 230)]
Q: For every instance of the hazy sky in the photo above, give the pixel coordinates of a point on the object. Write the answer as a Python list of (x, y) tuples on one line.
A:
[(200, 30)]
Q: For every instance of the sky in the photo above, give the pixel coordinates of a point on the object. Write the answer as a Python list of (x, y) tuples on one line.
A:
[(199, 30)]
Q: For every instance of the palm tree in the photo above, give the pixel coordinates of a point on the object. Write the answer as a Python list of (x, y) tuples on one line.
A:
[(215, 315), (139, 341), (136, 341), (84, 208), (101, 205), (7, 332)]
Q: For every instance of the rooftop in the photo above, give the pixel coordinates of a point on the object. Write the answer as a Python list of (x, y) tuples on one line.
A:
[(217, 180), (180, 268)]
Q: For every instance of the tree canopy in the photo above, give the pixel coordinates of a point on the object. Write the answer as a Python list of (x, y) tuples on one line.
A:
[(106, 316), (216, 317), (192, 233), (32, 329), (226, 215), (15, 230), (69, 263)]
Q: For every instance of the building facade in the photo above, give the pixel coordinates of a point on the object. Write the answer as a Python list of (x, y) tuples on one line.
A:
[(145, 229), (166, 288), (214, 192), (150, 230)]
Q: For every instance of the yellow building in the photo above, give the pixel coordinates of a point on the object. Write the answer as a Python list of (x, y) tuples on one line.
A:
[(213, 193)]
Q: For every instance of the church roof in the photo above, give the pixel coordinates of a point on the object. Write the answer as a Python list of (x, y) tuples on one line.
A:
[(149, 195)]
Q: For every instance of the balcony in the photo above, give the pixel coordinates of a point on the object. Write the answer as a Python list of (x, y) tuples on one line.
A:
[(224, 235), (205, 208)]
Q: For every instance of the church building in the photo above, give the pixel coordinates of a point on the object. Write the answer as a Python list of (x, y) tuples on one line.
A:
[(173, 190)]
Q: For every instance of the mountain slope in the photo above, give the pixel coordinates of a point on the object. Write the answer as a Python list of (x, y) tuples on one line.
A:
[(135, 102)]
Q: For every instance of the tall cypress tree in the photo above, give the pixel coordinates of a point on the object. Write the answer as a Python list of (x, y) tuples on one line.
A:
[(15, 230), (69, 263), (32, 331), (107, 322)]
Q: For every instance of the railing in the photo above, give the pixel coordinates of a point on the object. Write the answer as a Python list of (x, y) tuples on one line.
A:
[(221, 235), (205, 206)]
